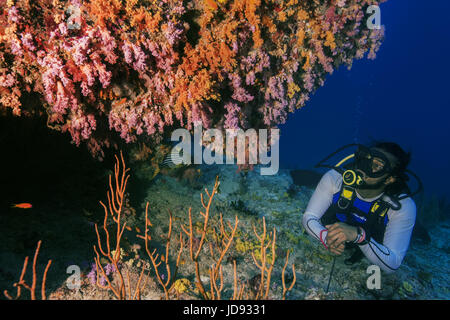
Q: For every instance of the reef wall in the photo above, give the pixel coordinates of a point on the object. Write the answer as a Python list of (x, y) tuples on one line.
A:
[(108, 71)]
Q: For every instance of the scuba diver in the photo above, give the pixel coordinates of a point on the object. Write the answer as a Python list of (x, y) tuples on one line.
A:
[(366, 206)]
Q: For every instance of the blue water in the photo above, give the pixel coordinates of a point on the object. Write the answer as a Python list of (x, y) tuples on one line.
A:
[(401, 96)]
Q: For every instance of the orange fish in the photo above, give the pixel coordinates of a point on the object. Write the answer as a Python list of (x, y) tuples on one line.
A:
[(122, 101), (22, 205)]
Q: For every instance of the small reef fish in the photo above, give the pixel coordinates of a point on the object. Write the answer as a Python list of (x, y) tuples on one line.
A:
[(22, 205), (172, 159)]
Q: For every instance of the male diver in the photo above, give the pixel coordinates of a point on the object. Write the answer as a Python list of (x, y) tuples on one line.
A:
[(366, 206)]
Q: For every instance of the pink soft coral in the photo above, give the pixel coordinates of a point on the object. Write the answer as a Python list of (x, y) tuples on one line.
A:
[(143, 68)]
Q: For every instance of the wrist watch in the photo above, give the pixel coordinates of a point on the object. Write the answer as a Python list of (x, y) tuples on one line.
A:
[(362, 237), (358, 236)]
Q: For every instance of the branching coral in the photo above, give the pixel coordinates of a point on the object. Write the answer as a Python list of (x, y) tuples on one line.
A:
[(221, 242), (283, 281), (208, 234), (265, 266), (226, 239), (114, 210), (22, 283), (167, 282), (138, 68)]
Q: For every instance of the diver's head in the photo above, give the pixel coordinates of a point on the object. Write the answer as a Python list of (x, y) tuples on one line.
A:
[(382, 166)]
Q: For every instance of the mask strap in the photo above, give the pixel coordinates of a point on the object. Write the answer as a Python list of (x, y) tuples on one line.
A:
[(419, 189), (320, 164)]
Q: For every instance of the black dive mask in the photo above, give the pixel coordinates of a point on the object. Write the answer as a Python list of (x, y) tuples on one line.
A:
[(371, 162)]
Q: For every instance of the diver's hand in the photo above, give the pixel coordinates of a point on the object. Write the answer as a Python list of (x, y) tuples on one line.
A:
[(337, 250), (338, 234)]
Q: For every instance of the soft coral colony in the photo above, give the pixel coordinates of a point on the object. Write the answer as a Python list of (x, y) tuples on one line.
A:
[(142, 67)]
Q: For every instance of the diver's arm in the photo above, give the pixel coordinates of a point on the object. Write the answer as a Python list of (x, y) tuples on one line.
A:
[(389, 255), (318, 204), (313, 226)]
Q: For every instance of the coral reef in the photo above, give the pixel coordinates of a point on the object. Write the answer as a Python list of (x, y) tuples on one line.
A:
[(425, 266), (219, 240), (308, 178), (22, 283), (111, 71), (432, 209), (423, 274), (116, 198)]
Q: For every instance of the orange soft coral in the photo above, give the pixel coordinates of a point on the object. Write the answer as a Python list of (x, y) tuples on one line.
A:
[(104, 10)]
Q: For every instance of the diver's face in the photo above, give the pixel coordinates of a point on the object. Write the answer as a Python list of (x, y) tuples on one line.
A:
[(378, 165), (372, 181)]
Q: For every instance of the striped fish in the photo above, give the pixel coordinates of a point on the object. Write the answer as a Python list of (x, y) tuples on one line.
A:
[(174, 159)]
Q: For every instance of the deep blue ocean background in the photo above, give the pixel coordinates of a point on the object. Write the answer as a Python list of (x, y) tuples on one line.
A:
[(401, 96)]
